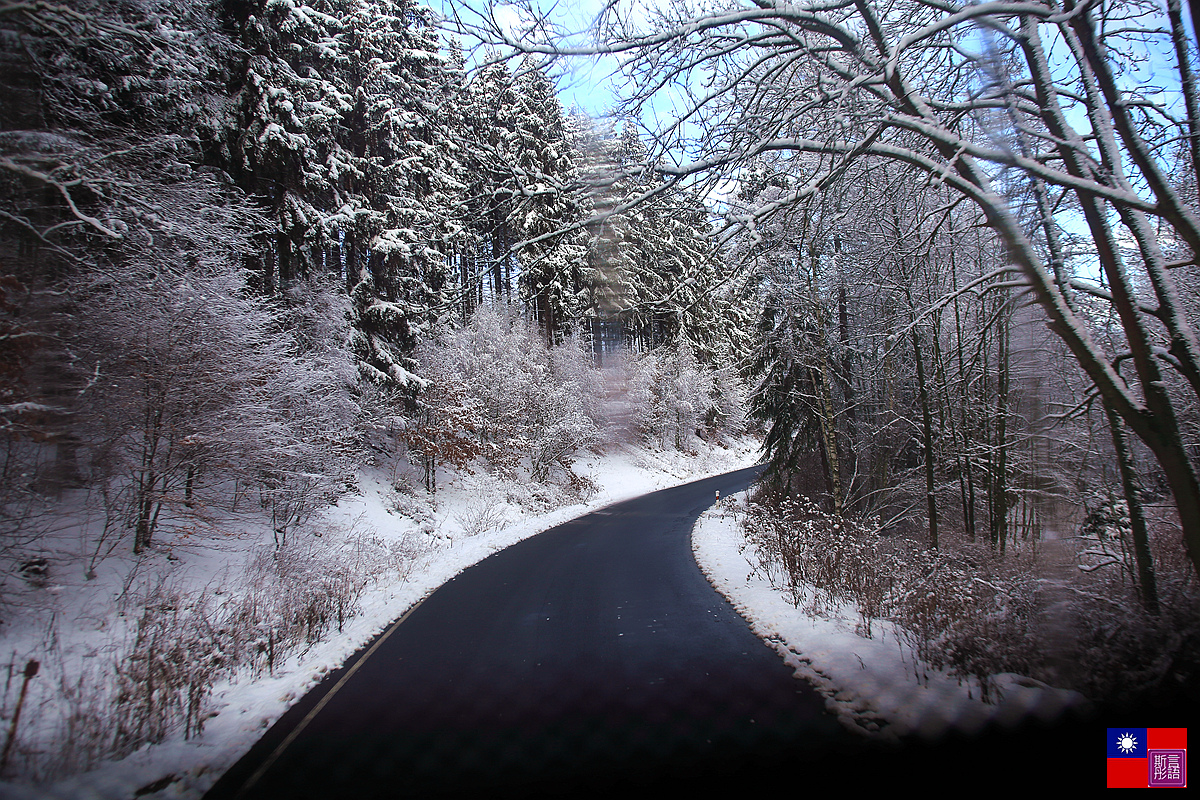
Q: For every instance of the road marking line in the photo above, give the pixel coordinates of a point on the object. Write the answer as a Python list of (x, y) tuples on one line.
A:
[(291, 737)]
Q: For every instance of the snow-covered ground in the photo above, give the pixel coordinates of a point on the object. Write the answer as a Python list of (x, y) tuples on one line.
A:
[(471, 517), (874, 685)]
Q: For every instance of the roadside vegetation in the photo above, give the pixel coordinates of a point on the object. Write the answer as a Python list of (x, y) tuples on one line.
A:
[(965, 609)]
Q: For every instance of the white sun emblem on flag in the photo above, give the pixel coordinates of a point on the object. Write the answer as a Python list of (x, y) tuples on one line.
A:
[(1126, 743)]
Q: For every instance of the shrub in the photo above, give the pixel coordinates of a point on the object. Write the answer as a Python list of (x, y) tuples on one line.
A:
[(967, 610), (499, 393)]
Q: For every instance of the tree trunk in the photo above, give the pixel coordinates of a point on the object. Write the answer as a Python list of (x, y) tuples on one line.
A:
[(283, 249), (846, 377), (927, 439), (353, 272), (821, 379), (1137, 518), (962, 438), (999, 487)]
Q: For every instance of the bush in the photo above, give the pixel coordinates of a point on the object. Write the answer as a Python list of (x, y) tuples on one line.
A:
[(975, 614), (837, 559), (499, 393), (675, 398), (158, 680)]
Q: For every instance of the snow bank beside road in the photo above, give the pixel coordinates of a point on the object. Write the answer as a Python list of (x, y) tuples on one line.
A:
[(875, 685), (474, 516)]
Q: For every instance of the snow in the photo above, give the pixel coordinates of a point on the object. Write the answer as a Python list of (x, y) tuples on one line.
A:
[(874, 685), (245, 707)]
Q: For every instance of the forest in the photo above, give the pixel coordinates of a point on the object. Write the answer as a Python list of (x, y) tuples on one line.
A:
[(940, 257)]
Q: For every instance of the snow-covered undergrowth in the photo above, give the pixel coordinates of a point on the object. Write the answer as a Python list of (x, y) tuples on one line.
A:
[(212, 521), (180, 659), (879, 676), (907, 641)]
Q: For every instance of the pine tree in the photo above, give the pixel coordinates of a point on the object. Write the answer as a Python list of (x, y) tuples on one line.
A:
[(553, 276), (412, 184), (493, 191), (784, 395), (285, 143)]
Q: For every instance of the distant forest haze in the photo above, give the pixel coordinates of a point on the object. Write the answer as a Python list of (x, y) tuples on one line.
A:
[(940, 256)]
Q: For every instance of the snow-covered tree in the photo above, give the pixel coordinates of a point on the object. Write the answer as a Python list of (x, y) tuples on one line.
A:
[(655, 263), (285, 144), (500, 392), (345, 130), (553, 277), (104, 120), (191, 382), (399, 258), (971, 97), (491, 107)]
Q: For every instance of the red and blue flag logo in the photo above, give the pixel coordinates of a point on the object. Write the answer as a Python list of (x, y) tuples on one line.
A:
[(1139, 758)]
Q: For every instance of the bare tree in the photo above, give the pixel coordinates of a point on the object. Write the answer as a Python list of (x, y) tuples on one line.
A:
[(967, 95)]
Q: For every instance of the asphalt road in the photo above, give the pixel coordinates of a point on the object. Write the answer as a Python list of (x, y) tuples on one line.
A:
[(592, 657)]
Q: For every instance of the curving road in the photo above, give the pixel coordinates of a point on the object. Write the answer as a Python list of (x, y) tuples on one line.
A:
[(593, 656)]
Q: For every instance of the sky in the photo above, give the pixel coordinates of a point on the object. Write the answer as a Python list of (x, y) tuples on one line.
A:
[(584, 83)]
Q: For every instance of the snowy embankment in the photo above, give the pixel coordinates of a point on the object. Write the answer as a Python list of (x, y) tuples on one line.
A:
[(874, 685), (470, 517)]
